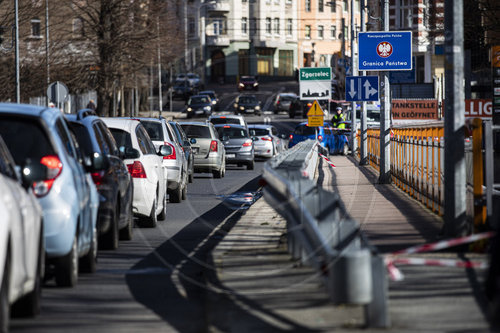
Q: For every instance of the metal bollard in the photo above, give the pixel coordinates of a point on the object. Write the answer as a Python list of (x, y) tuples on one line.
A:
[(377, 311), (350, 278)]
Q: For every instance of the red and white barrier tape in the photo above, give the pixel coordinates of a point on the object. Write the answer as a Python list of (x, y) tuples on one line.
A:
[(327, 160), (396, 275)]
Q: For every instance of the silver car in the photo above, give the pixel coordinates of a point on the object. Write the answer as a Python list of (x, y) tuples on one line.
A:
[(238, 144), (161, 133), (267, 141), (208, 149), (283, 101)]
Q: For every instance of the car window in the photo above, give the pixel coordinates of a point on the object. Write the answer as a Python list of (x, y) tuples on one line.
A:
[(100, 140), (171, 136), (259, 132), (34, 143), (7, 166), (63, 134), (274, 131), (304, 130), (83, 138), (232, 132), (154, 130), (122, 138), (178, 133), (77, 148), (144, 141), (108, 138), (196, 131), (247, 99)]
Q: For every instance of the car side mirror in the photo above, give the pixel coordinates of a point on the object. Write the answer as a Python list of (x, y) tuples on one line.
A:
[(165, 150), (192, 141), (129, 153), (32, 172)]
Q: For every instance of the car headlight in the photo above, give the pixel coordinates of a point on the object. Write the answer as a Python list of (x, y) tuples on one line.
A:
[(207, 108), (235, 105), (255, 84), (214, 102), (241, 85), (257, 107), (189, 109), (242, 108)]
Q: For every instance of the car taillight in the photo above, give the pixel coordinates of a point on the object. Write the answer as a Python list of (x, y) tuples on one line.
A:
[(172, 156), (320, 138), (98, 177), (213, 146), (54, 168), (290, 137), (247, 143), (266, 138), (136, 170)]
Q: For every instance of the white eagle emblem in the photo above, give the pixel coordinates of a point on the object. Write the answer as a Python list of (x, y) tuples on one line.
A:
[(384, 49)]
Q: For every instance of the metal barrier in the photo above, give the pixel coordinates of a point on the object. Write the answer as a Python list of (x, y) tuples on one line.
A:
[(353, 271), (417, 164)]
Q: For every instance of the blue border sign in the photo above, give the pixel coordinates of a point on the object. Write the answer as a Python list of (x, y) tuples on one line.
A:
[(385, 51)]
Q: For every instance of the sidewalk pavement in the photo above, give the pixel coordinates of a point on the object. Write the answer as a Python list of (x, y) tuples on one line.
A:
[(264, 290)]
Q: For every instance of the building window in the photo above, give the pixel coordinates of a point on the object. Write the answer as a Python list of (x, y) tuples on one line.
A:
[(191, 27), (321, 6), (345, 5), (404, 15), (333, 32), (321, 32), (35, 28), (308, 5), (268, 25), (289, 27), (78, 27), (244, 25), (276, 26), (333, 6), (219, 26), (308, 32)]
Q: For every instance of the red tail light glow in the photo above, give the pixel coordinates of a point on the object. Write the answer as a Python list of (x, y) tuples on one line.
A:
[(266, 138), (136, 170), (98, 177), (172, 156), (290, 137), (247, 143), (320, 138), (213, 146), (54, 168)]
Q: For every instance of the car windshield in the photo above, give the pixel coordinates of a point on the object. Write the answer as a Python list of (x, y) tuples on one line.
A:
[(225, 121), (209, 94), (192, 76), (304, 130), (259, 132), (232, 132), (154, 130), (285, 98), (122, 138), (196, 131), (33, 143), (247, 79), (198, 100), (248, 100)]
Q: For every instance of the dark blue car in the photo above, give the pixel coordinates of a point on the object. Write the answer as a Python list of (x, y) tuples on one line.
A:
[(333, 139)]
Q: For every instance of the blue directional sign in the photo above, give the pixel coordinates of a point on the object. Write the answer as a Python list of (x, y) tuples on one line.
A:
[(385, 51), (361, 88)]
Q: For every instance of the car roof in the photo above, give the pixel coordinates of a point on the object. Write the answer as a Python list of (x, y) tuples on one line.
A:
[(234, 116), (200, 123), (26, 109), (121, 123), (265, 126)]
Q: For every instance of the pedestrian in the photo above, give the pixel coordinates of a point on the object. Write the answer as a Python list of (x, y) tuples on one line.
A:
[(338, 119), (91, 105)]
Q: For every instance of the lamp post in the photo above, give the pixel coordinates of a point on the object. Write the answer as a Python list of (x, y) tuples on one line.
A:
[(18, 88)]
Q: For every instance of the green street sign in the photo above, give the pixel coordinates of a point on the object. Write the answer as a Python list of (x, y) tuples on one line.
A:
[(315, 74)]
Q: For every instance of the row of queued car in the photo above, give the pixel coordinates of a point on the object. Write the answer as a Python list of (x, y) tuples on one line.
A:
[(72, 184)]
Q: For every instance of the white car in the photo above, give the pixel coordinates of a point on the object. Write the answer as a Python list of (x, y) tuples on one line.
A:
[(21, 240), (267, 141), (145, 165)]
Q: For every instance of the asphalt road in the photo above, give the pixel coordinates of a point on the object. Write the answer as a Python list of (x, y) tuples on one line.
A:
[(157, 282)]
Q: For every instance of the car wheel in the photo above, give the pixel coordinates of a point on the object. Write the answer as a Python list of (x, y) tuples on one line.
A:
[(163, 212), (109, 241), (175, 195), (217, 173), (126, 233), (66, 270), (251, 165), (152, 220), (184, 192), (88, 263), (190, 176), (345, 151), (4, 297)]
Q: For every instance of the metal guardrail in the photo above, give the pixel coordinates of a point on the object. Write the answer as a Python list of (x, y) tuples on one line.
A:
[(319, 234)]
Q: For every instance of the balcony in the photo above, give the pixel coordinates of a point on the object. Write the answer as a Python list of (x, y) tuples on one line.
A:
[(219, 6), (220, 40)]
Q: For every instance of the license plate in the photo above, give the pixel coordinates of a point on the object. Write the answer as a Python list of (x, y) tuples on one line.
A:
[(249, 110), (230, 155), (195, 150)]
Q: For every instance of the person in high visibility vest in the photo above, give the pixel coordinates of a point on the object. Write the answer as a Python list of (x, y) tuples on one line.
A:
[(338, 118)]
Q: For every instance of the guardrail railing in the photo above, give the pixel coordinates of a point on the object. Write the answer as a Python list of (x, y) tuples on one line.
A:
[(319, 234)]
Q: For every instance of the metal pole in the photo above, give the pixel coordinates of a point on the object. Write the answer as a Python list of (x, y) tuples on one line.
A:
[(202, 43), (47, 58), (170, 88), (455, 222), (18, 88), (385, 114), (363, 146), (354, 123), (186, 46), (160, 99)]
